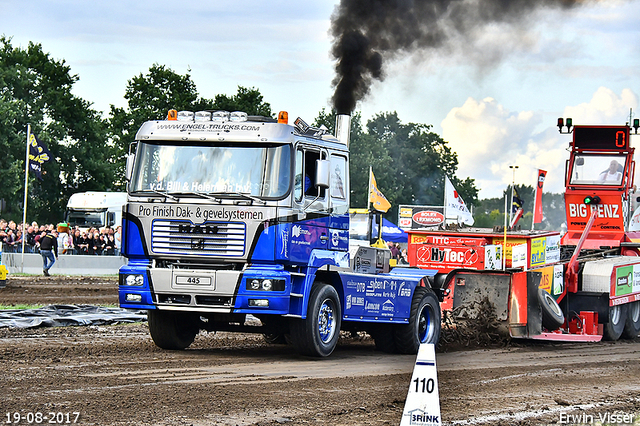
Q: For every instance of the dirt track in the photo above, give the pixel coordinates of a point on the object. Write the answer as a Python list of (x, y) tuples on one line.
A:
[(114, 375)]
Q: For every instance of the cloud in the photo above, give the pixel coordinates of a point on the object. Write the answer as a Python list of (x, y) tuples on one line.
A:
[(489, 138), (605, 107)]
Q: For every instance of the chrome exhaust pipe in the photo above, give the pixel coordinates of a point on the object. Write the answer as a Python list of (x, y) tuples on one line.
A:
[(343, 128)]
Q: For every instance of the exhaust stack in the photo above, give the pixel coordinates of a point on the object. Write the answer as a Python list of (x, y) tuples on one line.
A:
[(343, 128)]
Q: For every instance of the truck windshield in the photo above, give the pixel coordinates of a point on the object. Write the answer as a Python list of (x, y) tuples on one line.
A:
[(262, 171), (85, 218), (598, 169)]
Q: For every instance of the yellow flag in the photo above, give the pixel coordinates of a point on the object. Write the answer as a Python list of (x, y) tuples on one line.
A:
[(376, 197)]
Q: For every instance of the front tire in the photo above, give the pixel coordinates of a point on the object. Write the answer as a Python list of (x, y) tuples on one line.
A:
[(617, 319), (424, 322), (172, 330), (632, 326), (318, 334)]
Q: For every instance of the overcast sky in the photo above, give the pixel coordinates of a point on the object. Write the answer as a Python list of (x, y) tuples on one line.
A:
[(583, 64)]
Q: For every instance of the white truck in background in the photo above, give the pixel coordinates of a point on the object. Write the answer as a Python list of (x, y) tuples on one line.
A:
[(95, 209)]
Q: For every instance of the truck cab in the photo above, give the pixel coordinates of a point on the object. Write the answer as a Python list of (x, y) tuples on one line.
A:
[(95, 209), (230, 216)]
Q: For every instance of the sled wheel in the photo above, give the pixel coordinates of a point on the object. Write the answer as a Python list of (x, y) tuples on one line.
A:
[(632, 326), (617, 319), (318, 334), (424, 322), (172, 330), (552, 316), (383, 336)]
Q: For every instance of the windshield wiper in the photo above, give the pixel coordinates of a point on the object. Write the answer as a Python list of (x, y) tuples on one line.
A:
[(201, 195), (162, 194), (249, 197)]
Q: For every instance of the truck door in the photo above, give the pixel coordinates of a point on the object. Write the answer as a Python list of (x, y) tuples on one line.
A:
[(311, 230), (339, 207)]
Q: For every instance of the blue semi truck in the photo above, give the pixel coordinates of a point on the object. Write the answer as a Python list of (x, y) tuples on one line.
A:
[(241, 223)]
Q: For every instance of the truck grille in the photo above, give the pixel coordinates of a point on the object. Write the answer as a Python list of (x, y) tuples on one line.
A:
[(206, 239)]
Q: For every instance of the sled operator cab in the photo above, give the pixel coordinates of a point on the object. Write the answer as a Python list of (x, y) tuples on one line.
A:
[(599, 178), (232, 218)]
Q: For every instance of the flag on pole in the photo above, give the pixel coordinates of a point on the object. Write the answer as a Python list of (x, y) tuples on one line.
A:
[(517, 202), (376, 197), (38, 155), (454, 206), (537, 213)]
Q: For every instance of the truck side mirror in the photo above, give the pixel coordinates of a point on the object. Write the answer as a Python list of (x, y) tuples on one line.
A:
[(111, 218), (129, 169), (322, 173)]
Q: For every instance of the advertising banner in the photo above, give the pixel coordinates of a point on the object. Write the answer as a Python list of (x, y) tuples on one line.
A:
[(552, 280), (537, 213), (420, 217), (445, 253)]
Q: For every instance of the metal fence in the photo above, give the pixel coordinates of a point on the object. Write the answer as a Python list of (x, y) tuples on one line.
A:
[(31, 263)]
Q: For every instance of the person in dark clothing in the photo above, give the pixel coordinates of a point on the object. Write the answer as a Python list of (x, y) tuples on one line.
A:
[(110, 245), (395, 252), (99, 243), (49, 251), (30, 239), (82, 244)]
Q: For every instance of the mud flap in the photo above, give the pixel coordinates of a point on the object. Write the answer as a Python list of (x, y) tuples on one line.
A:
[(472, 288), (525, 319)]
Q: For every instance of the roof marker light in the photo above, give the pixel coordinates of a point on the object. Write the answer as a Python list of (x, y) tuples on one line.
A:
[(238, 116), (220, 116), (203, 116), (185, 115), (283, 117), (172, 115)]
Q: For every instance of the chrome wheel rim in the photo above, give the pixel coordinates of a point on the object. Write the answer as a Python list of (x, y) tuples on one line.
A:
[(326, 321), (425, 325)]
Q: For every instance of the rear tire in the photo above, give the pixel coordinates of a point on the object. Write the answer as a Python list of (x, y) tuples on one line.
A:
[(424, 322), (383, 336), (632, 326), (318, 334), (617, 319), (275, 339), (172, 330), (552, 316)]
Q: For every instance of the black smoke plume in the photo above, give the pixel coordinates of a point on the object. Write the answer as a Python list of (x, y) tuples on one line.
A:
[(367, 33)]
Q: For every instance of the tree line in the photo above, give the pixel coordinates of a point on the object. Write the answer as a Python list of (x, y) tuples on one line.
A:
[(409, 160)]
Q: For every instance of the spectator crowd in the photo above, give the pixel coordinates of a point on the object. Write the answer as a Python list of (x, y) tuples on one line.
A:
[(71, 240)]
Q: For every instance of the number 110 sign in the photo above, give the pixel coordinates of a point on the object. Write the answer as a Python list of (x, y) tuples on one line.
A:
[(422, 407)]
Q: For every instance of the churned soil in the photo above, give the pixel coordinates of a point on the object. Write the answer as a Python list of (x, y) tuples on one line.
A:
[(59, 290), (115, 375)]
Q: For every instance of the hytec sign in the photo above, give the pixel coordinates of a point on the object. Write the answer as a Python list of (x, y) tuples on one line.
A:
[(446, 253)]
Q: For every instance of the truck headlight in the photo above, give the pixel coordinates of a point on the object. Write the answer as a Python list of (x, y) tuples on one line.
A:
[(134, 280), (265, 284)]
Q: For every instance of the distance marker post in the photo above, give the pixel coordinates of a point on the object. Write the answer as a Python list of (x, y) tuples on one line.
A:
[(422, 407)]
